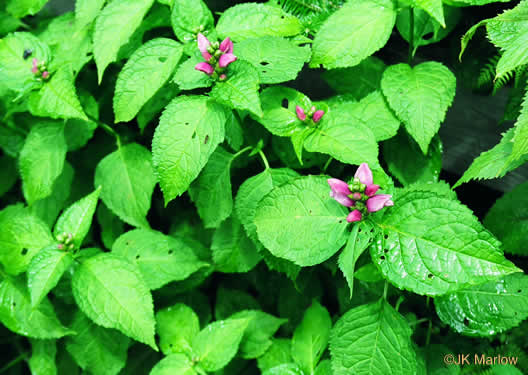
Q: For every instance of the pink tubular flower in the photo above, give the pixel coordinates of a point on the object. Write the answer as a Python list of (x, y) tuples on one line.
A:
[(377, 202), (300, 113), (34, 66), (355, 215), (317, 116), (204, 67), (226, 59), (340, 192), (203, 46), (226, 46)]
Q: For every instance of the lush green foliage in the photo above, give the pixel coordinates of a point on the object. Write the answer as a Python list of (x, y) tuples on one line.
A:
[(170, 201)]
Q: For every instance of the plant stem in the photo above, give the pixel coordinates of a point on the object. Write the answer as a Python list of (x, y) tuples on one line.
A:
[(21, 357), (385, 290), (419, 321), (411, 34), (429, 330), (264, 160), (242, 151), (327, 164), (109, 130)]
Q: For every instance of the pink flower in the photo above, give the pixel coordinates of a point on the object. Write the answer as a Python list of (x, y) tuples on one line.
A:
[(377, 202), (45, 75), (355, 215), (34, 67), (300, 113), (340, 192), (226, 59), (226, 46), (317, 116), (364, 174), (203, 46), (205, 67)]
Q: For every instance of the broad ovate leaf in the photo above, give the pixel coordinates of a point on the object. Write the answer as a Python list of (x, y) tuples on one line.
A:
[(176, 326), (189, 15), (300, 222), (125, 305), (174, 364), (431, 244)]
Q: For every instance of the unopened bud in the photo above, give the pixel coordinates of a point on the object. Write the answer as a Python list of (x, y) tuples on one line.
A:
[(222, 77)]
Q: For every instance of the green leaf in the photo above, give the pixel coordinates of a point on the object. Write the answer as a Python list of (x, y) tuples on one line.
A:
[(509, 32), (127, 180), (87, 10), (276, 59), (341, 136), (174, 364), (22, 8), (434, 8), (511, 232), (111, 226), (245, 21), (520, 139), (298, 221), (15, 72), (420, 96), (501, 305), (217, 344), (151, 110), (240, 90), (42, 361), (358, 80), (285, 369), (179, 146), (143, 75), (18, 316), (160, 258), (211, 191), (57, 98), (324, 368), (353, 33), (113, 27), (8, 173), (230, 301), (372, 339), (358, 241), (188, 78), (45, 270), (176, 326), (234, 134), (407, 162), (96, 349), (278, 353), (77, 219), (311, 337), (22, 235), (368, 273), (189, 15), (232, 250), (494, 163), (253, 190), (79, 132), (126, 306), (42, 159), (431, 245)]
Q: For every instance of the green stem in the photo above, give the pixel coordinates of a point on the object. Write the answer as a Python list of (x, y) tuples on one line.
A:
[(109, 130), (419, 321), (385, 290), (398, 303), (327, 164), (429, 331), (411, 34), (242, 151), (20, 358), (264, 160)]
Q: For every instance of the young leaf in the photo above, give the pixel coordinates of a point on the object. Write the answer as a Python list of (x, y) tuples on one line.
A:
[(42, 361), (276, 59), (511, 232), (57, 98), (501, 305), (188, 78), (240, 90), (45, 270), (432, 245), (17, 314), (353, 33), (96, 349), (174, 364), (113, 27), (245, 21), (189, 15), (126, 305), (22, 235), (211, 191), (258, 334), (298, 221), (176, 326), (42, 159), (311, 337), (77, 219), (190, 129), (372, 339), (434, 8), (127, 180), (160, 258), (420, 97), (143, 75), (87, 10), (217, 344)]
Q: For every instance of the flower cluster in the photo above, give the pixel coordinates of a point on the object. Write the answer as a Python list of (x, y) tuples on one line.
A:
[(217, 55), (39, 70), (313, 114), (65, 241), (360, 194)]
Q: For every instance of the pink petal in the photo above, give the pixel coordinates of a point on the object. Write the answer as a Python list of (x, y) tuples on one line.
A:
[(342, 199), (34, 70), (45, 75), (364, 174), (226, 46), (34, 62), (339, 186), (203, 44), (300, 113), (377, 202), (371, 190), (204, 67), (226, 59), (389, 203), (318, 115), (354, 216)]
